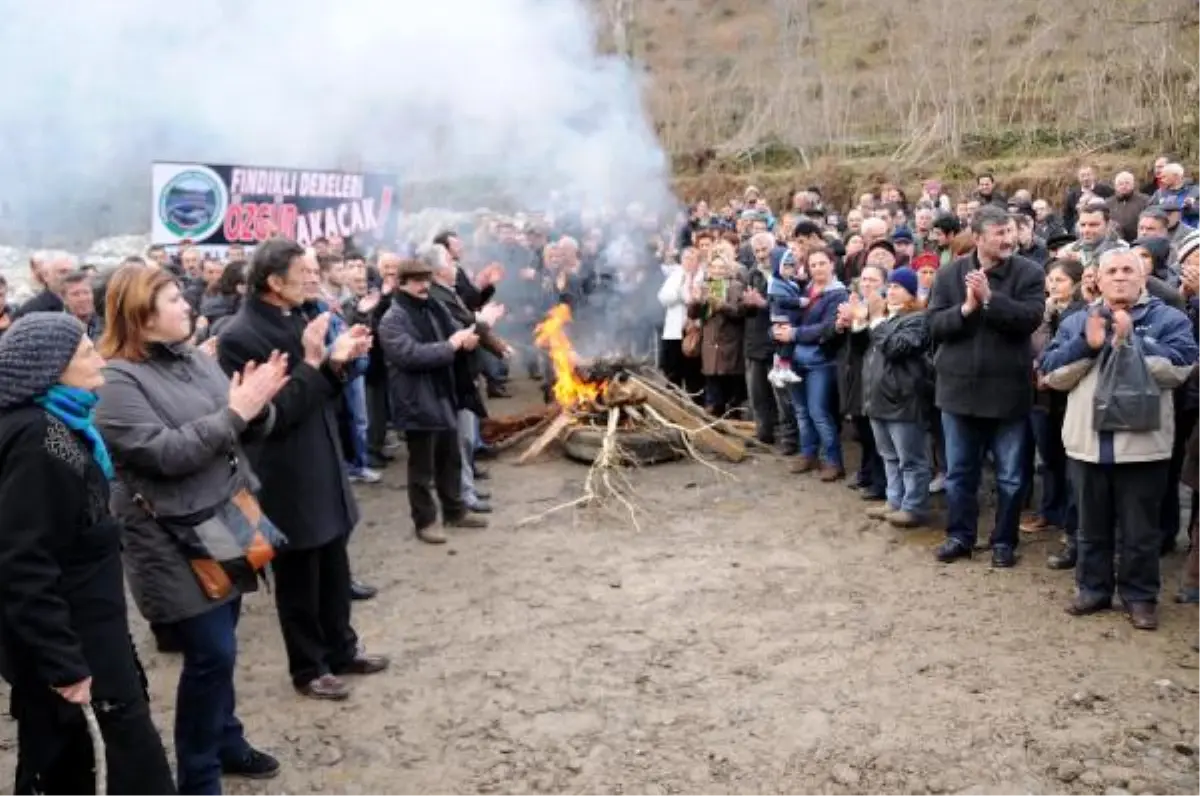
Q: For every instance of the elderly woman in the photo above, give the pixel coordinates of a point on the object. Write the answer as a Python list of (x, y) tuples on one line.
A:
[(172, 421), (64, 633), (717, 305)]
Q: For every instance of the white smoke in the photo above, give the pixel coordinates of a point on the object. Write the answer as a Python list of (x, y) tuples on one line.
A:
[(507, 94)]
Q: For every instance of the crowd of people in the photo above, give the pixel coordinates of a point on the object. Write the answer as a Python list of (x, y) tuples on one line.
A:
[(191, 423)]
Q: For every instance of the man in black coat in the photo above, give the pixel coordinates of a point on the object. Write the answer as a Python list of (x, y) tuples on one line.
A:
[(422, 345), (983, 310), (305, 490)]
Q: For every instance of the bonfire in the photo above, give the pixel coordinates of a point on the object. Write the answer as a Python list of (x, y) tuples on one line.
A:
[(615, 414)]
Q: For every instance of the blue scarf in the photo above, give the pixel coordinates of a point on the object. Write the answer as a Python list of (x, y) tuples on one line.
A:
[(75, 408)]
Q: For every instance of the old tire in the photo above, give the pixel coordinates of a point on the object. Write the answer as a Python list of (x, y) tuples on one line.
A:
[(641, 447)]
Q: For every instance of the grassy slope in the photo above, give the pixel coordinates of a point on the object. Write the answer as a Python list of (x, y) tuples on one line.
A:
[(1043, 84)]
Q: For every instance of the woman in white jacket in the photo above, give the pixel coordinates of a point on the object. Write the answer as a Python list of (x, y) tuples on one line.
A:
[(682, 371)]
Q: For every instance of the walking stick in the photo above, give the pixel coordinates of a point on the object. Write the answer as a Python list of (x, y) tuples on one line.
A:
[(98, 751)]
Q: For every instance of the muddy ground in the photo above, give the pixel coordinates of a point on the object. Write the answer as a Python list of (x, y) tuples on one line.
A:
[(757, 636)]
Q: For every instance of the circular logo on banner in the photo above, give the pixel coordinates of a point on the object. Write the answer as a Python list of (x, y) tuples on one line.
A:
[(192, 204)]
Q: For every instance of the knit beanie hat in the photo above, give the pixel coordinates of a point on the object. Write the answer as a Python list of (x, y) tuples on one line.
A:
[(34, 352), (1189, 244), (906, 278)]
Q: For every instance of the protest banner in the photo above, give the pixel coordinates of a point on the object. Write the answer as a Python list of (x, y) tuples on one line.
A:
[(214, 206)]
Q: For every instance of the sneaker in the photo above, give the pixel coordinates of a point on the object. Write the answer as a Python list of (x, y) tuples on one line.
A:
[(365, 476), (790, 377), (775, 377), (937, 484), (253, 765)]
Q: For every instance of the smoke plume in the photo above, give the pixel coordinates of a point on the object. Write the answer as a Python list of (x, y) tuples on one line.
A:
[(507, 94)]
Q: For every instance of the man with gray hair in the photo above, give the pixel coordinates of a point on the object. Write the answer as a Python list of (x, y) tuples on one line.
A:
[(1120, 473), (1126, 205), (1175, 192), (983, 309), (49, 271), (469, 405)]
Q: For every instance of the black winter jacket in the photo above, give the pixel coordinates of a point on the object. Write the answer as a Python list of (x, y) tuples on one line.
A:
[(305, 490), (983, 360), (62, 589), (895, 374), (414, 337)]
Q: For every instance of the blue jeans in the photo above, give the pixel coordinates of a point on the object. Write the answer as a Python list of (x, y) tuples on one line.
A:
[(903, 447), (1057, 506), (813, 399), (356, 402), (207, 731), (968, 439), (468, 442), (495, 369)]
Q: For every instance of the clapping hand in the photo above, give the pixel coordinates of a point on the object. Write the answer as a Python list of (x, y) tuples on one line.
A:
[(753, 298), (1122, 326), (209, 346), (489, 276), (782, 333), (977, 283), (252, 389), (1095, 330), (369, 301), (491, 313), (350, 344), (313, 339), (465, 339)]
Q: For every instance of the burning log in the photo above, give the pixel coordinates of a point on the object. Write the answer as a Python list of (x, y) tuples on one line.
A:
[(603, 369), (623, 393), (553, 431)]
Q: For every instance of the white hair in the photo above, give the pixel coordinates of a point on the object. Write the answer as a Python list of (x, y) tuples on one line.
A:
[(874, 226), (1124, 175), (567, 242), (1173, 168), (1114, 254), (762, 238), (435, 256)]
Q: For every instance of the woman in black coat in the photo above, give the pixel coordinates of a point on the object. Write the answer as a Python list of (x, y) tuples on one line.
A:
[(64, 633)]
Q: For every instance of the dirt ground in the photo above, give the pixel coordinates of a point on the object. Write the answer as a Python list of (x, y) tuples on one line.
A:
[(757, 636)]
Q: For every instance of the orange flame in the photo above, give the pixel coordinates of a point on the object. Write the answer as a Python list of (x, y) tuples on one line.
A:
[(551, 335)]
